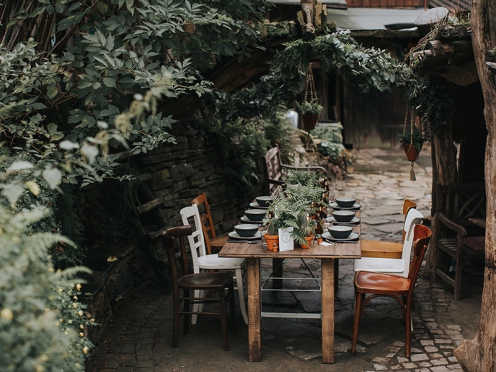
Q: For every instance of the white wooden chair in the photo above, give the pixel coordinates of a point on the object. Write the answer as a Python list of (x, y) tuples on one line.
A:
[(203, 261), (395, 266)]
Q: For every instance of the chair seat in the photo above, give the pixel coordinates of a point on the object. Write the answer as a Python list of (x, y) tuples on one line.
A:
[(477, 243), (380, 249), (206, 280), (384, 265), (369, 282), (213, 261), (217, 243)]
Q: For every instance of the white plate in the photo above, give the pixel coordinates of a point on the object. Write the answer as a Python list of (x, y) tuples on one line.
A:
[(255, 205), (354, 221), (234, 235), (327, 235), (336, 206), (246, 219)]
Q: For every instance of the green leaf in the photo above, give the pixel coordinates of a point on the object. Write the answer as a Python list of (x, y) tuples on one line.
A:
[(102, 7), (52, 128), (130, 6), (59, 7), (12, 191), (52, 90), (109, 82), (52, 176)]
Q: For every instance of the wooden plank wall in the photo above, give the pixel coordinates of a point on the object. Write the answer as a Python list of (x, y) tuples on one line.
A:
[(372, 119)]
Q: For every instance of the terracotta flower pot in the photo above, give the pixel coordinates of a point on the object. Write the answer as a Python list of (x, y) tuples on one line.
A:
[(411, 152), (309, 241), (309, 121), (272, 242)]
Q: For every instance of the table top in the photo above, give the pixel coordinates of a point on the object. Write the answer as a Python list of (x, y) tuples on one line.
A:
[(258, 250), (246, 249)]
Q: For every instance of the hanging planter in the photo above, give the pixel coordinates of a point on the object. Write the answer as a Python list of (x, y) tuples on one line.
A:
[(412, 153), (412, 141), (310, 107)]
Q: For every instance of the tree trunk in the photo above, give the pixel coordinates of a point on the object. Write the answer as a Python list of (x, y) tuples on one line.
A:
[(446, 174), (479, 354)]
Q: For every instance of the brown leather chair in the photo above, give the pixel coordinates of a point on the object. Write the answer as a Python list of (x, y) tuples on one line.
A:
[(212, 241), (387, 285), (209, 282)]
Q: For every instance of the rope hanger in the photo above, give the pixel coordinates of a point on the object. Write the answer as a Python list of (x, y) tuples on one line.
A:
[(310, 86), (410, 150)]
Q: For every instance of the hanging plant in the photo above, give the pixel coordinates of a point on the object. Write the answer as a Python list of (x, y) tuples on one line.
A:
[(412, 140), (310, 108)]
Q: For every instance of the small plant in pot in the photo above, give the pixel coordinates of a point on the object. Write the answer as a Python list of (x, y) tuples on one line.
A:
[(412, 142), (310, 112), (271, 236), (309, 227), (292, 208)]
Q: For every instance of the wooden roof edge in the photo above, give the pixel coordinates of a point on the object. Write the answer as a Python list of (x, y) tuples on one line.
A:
[(386, 34)]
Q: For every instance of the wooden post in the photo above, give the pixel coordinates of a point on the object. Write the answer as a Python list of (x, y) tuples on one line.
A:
[(327, 268), (254, 310)]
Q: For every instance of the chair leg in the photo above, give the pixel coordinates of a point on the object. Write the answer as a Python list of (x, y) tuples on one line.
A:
[(356, 322), (458, 280), (223, 316), (408, 326), (175, 324), (197, 307), (241, 294), (232, 304), (186, 316)]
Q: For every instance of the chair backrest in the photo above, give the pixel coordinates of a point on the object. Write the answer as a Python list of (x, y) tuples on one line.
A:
[(168, 241), (207, 222), (407, 205), (460, 202), (273, 171), (422, 235), (413, 217), (191, 216)]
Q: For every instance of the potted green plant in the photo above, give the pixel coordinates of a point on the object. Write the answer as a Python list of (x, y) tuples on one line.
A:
[(271, 236), (412, 142), (302, 177), (310, 112), (292, 209), (309, 227)]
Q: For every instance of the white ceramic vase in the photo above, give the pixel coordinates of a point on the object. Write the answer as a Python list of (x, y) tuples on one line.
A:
[(286, 241)]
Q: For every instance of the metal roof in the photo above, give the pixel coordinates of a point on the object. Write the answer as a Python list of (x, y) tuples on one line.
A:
[(452, 6)]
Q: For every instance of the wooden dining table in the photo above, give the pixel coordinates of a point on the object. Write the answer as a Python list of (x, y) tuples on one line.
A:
[(326, 253)]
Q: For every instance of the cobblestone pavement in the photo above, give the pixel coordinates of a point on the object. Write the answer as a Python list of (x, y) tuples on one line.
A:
[(139, 338)]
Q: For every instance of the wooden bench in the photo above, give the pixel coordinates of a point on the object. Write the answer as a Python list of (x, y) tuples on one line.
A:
[(456, 238)]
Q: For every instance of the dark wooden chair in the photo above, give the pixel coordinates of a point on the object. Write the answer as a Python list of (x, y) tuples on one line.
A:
[(457, 240), (208, 282), (397, 287), (212, 241), (274, 171)]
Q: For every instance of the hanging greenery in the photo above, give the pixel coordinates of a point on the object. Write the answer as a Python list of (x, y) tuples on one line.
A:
[(373, 68)]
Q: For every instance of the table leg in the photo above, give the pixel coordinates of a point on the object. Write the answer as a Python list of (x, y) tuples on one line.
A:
[(327, 268), (254, 310), (277, 272)]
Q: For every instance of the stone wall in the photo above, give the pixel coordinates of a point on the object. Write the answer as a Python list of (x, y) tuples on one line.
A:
[(179, 172)]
